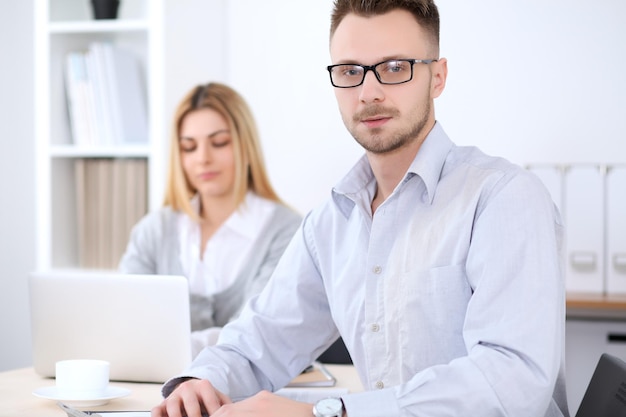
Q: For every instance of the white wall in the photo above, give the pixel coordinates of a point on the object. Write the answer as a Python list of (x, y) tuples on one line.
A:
[(281, 69), (537, 80), (17, 181), (533, 81), (194, 33)]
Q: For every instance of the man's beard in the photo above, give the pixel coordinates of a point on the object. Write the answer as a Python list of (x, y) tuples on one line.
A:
[(376, 143)]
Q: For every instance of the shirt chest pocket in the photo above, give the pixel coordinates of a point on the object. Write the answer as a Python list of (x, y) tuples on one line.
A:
[(431, 306)]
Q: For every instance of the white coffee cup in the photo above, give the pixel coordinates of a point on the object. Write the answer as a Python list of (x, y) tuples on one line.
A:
[(82, 379)]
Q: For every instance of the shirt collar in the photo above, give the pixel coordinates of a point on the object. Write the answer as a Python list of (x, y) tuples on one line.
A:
[(359, 185), (431, 158), (242, 221)]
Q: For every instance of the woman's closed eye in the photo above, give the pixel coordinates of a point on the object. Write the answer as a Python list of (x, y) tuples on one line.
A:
[(187, 144), (220, 138), (220, 143)]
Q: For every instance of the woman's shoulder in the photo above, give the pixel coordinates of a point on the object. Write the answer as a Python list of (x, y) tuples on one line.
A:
[(282, 211), (160, 219), (289, 214), (278, 213)]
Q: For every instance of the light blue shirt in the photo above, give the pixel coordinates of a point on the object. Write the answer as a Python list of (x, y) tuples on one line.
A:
[(450, 298)]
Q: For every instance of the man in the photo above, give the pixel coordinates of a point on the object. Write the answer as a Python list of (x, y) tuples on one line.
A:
[(438, 265)]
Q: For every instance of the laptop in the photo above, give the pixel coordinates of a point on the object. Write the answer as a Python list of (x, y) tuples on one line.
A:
[(139, 323), (606, 392)]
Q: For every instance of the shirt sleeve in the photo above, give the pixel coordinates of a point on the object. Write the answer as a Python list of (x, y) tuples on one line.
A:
[(202, 338), (140, 254), (274, 338)]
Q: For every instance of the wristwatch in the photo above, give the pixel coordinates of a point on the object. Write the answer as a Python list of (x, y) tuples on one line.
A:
[(328, 407)]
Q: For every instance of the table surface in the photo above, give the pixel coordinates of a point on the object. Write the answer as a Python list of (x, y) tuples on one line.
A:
[(17, 399), (586, 305)]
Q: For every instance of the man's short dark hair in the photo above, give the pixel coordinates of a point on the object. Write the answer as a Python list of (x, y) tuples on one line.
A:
[(425, 12)]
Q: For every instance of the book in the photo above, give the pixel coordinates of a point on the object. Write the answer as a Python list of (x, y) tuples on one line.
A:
[(315, 376), (78, 98), (127, 93), (100, 88)]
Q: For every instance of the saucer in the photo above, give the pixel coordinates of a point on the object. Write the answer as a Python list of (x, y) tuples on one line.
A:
[(52, 393)]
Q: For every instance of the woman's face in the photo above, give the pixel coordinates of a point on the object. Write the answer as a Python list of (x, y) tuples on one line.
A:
[(206, 152)]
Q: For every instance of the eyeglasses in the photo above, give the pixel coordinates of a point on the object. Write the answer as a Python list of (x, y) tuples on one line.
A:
[(392, 71)]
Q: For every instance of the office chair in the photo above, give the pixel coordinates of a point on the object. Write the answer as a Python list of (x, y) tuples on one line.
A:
[(337, 353), (606, 393)]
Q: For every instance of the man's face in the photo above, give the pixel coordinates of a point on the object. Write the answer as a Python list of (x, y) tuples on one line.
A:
[(383, 118)]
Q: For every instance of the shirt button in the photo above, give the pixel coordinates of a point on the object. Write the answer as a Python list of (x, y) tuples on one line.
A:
[(375, 327), (380, 385), (377, 269)]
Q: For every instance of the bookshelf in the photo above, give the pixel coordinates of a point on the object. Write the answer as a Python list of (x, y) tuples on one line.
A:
[(61, 27)]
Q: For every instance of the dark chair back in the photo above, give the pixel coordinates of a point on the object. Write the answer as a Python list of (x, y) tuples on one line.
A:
[(606, 393)]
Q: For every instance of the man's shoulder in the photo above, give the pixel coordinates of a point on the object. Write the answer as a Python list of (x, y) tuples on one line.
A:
[(328, 212), (472, 158), (486, 172)]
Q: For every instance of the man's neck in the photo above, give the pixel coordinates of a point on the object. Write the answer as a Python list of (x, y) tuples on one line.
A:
[(389, 169)]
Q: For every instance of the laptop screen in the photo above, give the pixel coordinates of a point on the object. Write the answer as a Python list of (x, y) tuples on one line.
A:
[(139, 323)]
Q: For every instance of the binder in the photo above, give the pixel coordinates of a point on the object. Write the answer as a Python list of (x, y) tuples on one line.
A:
[(584, 219), (616, 229)]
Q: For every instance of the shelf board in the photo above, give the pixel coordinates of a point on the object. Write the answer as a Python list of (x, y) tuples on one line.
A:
[(97, 26), (120, 151)]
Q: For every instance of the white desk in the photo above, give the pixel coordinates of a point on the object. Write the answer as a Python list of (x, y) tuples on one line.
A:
[(17, 400)]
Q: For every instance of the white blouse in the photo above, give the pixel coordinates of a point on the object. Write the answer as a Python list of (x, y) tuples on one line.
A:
[(226, 250)]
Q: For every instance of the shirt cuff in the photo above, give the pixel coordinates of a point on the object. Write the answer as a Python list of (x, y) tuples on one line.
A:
[(371, 404)]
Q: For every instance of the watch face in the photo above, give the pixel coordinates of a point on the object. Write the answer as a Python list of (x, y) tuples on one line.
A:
[(329, 407)]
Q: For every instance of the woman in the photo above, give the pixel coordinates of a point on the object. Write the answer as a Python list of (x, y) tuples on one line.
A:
[(222, 225)]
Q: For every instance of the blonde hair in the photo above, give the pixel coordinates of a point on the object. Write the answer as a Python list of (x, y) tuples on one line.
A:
[(250, 172)]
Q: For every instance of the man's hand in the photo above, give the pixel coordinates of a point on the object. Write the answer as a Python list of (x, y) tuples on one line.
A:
[(192, 398), (198, 398), (265, 404)]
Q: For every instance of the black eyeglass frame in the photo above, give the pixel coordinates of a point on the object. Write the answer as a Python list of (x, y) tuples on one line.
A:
[(372, 68)]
